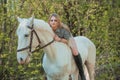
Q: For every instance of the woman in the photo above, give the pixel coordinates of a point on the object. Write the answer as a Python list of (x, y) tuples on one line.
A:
[(63, 34)]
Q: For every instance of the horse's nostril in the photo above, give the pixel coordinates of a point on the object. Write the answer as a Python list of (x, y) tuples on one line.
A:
[(21, 59)]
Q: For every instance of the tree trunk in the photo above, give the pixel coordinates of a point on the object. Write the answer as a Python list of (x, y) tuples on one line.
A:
[(3, 2)]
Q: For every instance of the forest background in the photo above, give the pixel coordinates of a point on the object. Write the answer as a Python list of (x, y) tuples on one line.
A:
[(99, 20)]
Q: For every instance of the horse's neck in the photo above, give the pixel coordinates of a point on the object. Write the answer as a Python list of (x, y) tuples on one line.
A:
[(46, 37), (49, 50), (53, 52)]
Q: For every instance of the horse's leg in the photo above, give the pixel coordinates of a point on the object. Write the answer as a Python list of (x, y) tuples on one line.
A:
[(66, 77), (75, 75), (86, 73), (90, 68), (49, 78), (91, 59)]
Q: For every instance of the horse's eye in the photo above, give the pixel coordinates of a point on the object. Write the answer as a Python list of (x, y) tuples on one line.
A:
[(26, 35), (28, 26)]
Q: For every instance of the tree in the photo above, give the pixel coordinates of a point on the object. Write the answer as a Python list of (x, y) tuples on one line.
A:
[(95, 19)]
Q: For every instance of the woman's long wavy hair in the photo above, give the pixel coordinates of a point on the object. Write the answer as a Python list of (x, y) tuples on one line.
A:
[(71, 41), (60, 24)]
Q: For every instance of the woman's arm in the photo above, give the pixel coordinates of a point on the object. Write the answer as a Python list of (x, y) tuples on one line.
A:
[(64, 40), (60, 39)]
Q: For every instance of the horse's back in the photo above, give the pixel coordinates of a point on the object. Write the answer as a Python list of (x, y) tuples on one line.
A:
[(86, 48), (84, 40)]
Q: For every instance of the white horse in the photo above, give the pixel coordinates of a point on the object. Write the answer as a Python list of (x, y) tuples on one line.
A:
[(58, 61)]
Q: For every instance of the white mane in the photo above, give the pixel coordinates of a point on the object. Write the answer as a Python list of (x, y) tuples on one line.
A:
[(38, 24)]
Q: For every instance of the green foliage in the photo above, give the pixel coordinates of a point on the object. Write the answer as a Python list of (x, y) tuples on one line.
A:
[(95, 19)]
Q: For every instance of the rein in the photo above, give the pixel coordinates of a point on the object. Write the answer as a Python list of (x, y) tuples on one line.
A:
[(31, 39)]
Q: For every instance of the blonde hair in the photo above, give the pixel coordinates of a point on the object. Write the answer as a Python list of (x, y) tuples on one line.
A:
[(59, 21), (57, 17)]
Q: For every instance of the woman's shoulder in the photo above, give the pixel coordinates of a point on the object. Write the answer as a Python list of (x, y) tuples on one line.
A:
[(63, 29)]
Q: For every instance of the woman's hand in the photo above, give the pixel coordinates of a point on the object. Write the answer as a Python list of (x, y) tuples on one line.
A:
[(75, 51), (60, 39), (57, 38)]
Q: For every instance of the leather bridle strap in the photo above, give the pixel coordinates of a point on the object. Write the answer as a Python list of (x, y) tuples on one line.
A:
[(23, 49), (42, 46), (31, 39), (30, 45)]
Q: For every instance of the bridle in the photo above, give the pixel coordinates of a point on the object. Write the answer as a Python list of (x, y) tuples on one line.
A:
[(38, 47)]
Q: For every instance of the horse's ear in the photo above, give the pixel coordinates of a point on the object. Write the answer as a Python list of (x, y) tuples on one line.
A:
[(33, 15), (19, 19), (32, 19)]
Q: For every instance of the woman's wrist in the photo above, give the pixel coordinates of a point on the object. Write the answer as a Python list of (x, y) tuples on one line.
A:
[(60, 39)]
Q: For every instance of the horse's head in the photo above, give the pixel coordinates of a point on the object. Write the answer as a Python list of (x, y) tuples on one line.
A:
[(32, 33), (24, 34)]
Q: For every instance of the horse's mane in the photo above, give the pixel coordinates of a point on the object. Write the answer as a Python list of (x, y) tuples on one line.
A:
[(41, 24), (21, 27), (38, 24)]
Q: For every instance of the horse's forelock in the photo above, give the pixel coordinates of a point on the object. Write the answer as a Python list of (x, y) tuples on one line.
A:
[(42, 25), (22, 28)]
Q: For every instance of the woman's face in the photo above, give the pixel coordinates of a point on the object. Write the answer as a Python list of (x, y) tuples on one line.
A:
[(54, 23)]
